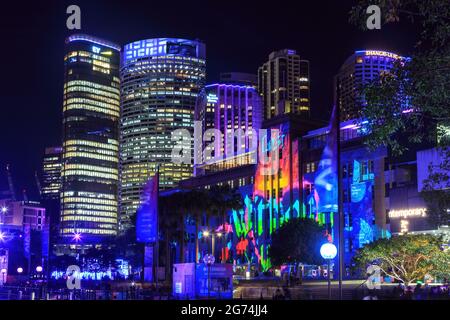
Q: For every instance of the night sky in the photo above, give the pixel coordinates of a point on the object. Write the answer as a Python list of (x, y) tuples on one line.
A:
[(239, 35)]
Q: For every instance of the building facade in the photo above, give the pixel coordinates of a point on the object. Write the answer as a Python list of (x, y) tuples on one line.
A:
[(91, 111), (161, 80), (360, 68), (51, 173), (284, 84), (236, 112)]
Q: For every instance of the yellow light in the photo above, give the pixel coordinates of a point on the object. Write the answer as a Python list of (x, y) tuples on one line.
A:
[(206, 233)]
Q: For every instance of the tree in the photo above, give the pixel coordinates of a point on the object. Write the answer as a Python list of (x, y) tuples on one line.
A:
[(298, 240), (222, 200), (406, 258), (413, 99)]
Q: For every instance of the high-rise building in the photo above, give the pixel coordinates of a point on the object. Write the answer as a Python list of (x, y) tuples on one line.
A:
[(234, 110), (284, 84), (90, 173), (360, 68), (51, 173), (160, 82)]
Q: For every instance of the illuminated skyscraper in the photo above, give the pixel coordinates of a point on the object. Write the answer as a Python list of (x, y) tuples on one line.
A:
[(233, 109), (360, 68), (89, 195), (51, 173), (161, 79), (284, 84)]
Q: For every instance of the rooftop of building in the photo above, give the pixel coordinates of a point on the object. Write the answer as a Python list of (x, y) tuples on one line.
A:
[(92, 39)]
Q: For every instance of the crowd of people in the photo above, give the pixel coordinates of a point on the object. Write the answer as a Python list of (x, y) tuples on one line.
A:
[(417, 292)]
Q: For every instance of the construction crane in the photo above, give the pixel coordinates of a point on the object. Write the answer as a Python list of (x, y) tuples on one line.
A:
[(10, 183), (38, 183)]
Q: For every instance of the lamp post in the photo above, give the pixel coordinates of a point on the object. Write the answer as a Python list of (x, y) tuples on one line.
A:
[(213, 235), (3, 271), (3, 211), (209, 261), (328, 251)]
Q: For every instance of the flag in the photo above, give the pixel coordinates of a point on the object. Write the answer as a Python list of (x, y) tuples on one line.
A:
[(147, 213), (326, 180)]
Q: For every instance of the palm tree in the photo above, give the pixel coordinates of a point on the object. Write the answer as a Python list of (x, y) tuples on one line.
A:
[(223, 199)]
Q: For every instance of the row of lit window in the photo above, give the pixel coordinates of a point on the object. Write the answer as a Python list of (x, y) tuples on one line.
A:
[(88, 200), (101, 208), (111, 145), (86, 54), (90, 156), (107, 214), (87, 101), (87, 231), (99, 94), (91, 84), (72, 166), (90, 108), (89, 174), (91, 150), (83, 218), (89, 195)]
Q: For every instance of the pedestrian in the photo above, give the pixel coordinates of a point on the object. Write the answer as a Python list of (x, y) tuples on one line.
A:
[(418, 292)]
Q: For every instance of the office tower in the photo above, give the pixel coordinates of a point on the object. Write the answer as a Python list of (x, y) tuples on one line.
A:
[(51, 173), (284, 84), (234, 110), (91, 105), (360, 68), (160, 82)]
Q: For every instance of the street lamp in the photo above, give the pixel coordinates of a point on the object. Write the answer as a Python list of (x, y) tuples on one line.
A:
[(209, 261), (3, 210), (19, 270), (39, 269), (328, 251), (206, 234), (3, 271)]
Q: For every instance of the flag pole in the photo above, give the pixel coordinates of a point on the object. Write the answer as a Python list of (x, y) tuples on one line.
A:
[(339, 190), (157, 227)]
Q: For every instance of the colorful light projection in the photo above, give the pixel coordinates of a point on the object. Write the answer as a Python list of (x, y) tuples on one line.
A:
[(358, 213), (270, 202)]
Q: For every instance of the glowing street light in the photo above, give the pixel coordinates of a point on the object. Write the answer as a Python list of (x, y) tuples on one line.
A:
[(3, 271), (19, 270), (76, 237), (4, 209), (206, 233), (39, 269), (328, 251)]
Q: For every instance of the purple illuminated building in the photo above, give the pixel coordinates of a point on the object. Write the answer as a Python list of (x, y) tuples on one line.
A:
[(233, 109)]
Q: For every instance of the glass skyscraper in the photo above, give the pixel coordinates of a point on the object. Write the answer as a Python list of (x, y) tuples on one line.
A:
[(90, 159), (160, 81)]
